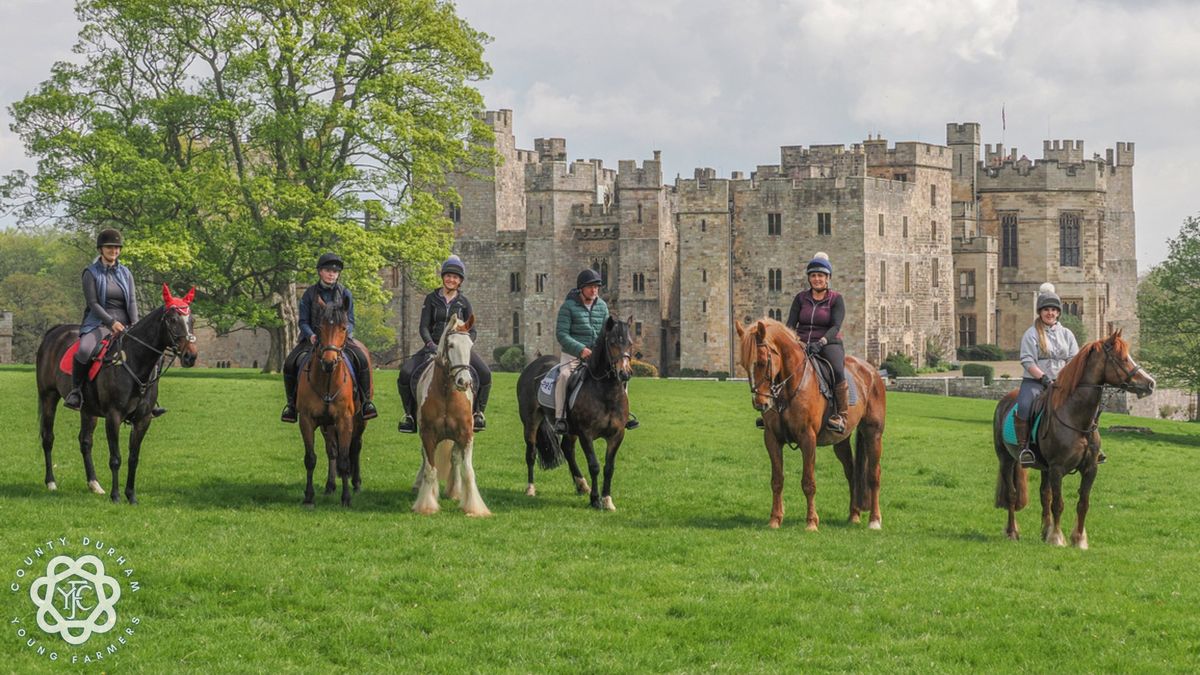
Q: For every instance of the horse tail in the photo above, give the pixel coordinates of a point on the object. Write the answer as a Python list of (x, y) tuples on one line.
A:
[(549, 451), (1020, 479), (862, 487)]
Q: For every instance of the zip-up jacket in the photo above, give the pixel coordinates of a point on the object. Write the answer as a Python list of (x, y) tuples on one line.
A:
[(813, 319)]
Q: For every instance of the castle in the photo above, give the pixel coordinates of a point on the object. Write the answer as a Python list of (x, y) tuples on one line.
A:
[(933, 246)]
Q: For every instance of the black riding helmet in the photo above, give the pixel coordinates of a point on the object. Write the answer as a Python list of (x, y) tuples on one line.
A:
[(330, 260), (587, 278), (109, 237)]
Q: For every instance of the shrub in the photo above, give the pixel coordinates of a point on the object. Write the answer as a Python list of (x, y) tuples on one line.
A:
[(513, 359), (1075, 325), (720, 375), (498, 352), (984, 352), (898, 365), (979, 370), (643, 369), (934, 351)]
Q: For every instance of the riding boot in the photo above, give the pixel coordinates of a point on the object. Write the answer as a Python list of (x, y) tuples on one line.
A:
[(841, 397), (1025, 457), (760, 422), (289, 387), (79, 373), (632, 422), (480, 405), (408, 424)]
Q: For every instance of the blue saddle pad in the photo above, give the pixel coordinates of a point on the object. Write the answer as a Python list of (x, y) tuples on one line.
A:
[(1009, 432)]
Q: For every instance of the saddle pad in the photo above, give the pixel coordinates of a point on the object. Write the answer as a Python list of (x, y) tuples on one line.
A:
[(549, 382), (65, 365), (825, 378), (1009, 431)]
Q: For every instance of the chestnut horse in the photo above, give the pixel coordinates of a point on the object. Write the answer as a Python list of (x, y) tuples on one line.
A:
[(1067, 436), (784, 387), (325, 399), (444, 400), (124, 390)]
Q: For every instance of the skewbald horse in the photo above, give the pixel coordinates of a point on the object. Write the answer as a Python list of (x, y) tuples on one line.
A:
[(784, 387), (1067, 436), (446, 425)]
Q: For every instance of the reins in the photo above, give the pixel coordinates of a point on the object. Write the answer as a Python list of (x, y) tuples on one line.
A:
[(119, 358)]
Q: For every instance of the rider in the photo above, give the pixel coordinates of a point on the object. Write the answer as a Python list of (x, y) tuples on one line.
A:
[(110, 308), (1045, 348), (816, 316), (329, 268), (439, 306), (580, 321)]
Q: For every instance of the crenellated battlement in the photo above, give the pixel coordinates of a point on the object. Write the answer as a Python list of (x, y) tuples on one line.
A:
[(1123, 156), (907, 153), (1024, 174), (499, 120), (1064, 152), (962, 133), (551, 149), (648, 175), (703, 194), (578, 176), (527, 156)]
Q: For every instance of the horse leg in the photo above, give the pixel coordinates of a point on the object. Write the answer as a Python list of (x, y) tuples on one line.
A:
[(112, 428), (355, 454), (581, 484), (531, 455), (47, 409), (1007, 482), (846, 456), (135, 452), (343, 436), (310, 457), (427, 497), (1079, 535), (1052, 508), (87, 432), (472, 504), (589, 452), (610, 462), (874, 469), (808, 448), (775, 453), (331, 460)]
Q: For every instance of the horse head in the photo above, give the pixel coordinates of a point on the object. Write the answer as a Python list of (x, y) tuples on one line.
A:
[(454, 351), (617, 343), (1121, 371), (331, 332), (763, 363), (178, 321)]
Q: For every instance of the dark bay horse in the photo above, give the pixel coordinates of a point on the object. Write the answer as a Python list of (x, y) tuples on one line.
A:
[(1067, 436), (325, 399), (444, 418), (124, 390), (783, 384), (600, 411)]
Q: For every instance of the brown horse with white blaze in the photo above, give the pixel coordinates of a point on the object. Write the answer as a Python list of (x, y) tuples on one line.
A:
[(1067, 436), (784, 387)]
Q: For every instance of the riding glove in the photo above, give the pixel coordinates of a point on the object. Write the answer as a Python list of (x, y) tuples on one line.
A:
[(1046, 381)]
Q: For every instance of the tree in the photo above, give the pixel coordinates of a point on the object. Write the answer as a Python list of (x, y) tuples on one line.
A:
[(233, 141), (39, 283), (1169, 311), (1075, 325)]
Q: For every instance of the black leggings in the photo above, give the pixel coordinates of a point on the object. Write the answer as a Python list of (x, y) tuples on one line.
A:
[(836, 356)]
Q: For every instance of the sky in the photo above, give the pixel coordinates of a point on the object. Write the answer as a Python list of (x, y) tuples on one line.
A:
[(724, 84)]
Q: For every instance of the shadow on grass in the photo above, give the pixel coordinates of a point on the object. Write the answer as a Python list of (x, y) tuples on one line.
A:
[(38, 490)]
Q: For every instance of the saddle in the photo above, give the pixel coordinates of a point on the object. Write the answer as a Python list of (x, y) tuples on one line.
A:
[(550, 382), (304, 358), (1009, 430), (96, 359), (825, 379)]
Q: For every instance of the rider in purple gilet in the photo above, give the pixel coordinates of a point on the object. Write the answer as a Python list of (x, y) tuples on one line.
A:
[(816, 316)]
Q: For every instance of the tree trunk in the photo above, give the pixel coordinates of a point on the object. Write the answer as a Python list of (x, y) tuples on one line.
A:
[(284, 336)]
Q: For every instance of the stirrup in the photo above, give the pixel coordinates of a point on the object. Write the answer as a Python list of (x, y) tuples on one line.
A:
[(407, 425), (369, 412), (560, 426), (760, 423), (837, 424), (1101, 457), (289, 414), (158, 411), (632, 422), (74, 399), (1026, 457), (480, 422)]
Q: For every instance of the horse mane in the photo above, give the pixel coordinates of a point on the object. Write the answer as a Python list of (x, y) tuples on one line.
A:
[(1072, 373), (777, 332), (334, 312)]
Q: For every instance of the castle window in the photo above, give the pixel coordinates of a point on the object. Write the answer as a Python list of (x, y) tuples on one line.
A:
[(637, 328), (933, 230), (966, 284), (904, 227), (937, 312), (882, 315), (881, 224), (775, 313), (775, 280), (966, 330), (907, 315), (395, 276), (516, 328), (774, 223), (1008, 240), (639, 282), (639, 213), (678, 349), (604, 271), (934, 273), (882, 276), (933, 195), (1072, 306), (907, 278), (704, 275), (706, 336), (824, 223), (514, 283), (902, 177), (539, 329), (456, 213), (1068, 239), (541, 214), (704, 307)]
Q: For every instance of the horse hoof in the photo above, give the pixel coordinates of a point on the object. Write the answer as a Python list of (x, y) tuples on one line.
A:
[(1080, 543), (52, 486), (582, 487), (855, 519), (774, 524), (131, 500), (811, 527), (426, 511), (1013, 536), (608, 504), (94, 486), (116, 498), (479, 514), (531, 491), (875, 525)]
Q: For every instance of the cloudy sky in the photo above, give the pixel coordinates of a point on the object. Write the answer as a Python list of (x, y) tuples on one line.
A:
[(724, 84)]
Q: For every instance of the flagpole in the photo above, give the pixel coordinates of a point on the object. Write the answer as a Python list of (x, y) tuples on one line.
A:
[(1003, 125)]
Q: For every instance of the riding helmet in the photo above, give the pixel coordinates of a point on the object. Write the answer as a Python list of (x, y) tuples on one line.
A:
[(588, 277), (454, 265), (819, 263), (330, 260), (109, 237), (1048, 298)]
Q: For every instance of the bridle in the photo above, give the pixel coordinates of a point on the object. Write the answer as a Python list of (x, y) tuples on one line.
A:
[(778, 395), (1110, 357), (443, 357), (613, 364), (171, 349)]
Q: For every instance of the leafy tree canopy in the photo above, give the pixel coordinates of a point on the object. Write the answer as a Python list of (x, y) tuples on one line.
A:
[(1169, 310)]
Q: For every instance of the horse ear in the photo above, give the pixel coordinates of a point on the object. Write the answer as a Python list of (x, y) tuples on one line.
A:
[(320, 301), (741, 332), (466, 327), (609, 323), (629, 321), (166, 294), (191, 294), (760, 330)]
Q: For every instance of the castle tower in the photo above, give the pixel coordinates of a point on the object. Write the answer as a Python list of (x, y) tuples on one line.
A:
[(648, 258), (975, 254), (705, 272)]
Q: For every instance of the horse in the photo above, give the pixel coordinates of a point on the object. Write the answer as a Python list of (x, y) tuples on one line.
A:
[(325, 398), (446, 425), (600, 411), (1067, 436), (784, 387), (124, 389)]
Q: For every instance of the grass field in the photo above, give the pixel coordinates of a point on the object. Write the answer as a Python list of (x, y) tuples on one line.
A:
[(685, 577)]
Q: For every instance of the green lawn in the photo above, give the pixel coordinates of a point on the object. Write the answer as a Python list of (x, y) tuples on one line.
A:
[(685, 577)]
